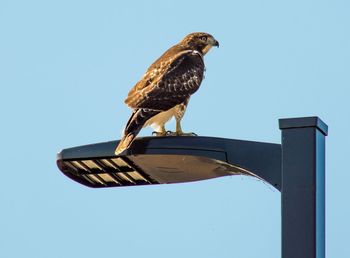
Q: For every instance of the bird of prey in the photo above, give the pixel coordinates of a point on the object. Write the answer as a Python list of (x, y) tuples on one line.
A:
[(166, 87)]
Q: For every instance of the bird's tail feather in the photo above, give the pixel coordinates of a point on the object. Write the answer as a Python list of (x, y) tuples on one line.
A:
[(133, 127)]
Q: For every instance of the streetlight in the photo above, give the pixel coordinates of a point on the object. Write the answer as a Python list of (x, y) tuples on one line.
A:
[(296, 168)]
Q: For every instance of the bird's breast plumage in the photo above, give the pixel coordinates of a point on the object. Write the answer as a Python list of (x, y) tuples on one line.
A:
[(160, 119)]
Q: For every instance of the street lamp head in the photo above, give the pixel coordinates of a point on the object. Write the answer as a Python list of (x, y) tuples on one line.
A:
[(166, 160)]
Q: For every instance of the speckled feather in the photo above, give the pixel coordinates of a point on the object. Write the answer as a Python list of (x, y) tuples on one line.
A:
[(169, 81)]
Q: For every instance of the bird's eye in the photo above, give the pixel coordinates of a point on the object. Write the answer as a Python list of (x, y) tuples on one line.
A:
[(204, 38)]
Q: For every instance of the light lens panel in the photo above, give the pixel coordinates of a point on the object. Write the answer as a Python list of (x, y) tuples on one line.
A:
[(106, 172)]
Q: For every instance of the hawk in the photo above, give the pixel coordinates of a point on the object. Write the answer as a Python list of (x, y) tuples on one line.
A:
[(165, 89)]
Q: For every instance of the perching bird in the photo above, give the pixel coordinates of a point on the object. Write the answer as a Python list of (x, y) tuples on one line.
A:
[(166, 87)]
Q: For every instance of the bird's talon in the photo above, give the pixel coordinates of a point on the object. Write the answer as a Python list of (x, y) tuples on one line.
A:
[(188, 134), (155, 133), (170, 133)]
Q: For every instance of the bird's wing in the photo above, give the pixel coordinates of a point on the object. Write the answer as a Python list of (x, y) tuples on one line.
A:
[(168, 82)]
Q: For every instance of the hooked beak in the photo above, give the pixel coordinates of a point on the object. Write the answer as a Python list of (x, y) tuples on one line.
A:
[(213, 42), (216, 43)]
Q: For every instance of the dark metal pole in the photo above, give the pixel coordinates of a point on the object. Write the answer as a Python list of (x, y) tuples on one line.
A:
[(303, 187)]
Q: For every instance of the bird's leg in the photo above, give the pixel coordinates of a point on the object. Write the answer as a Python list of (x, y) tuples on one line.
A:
[(162, 131), (179, 131), (179, 113), (178, 127)]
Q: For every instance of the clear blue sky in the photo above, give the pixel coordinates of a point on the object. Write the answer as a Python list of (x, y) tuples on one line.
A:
[(65, 69)]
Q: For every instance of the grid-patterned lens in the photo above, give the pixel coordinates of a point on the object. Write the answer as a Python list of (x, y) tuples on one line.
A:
[(106, 172)]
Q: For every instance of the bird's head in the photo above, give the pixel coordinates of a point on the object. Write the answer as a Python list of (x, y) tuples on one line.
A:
[(199, 41)]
